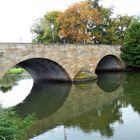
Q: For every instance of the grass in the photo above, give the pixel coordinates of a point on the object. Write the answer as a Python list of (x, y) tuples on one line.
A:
[(12, 127), (15, 71)]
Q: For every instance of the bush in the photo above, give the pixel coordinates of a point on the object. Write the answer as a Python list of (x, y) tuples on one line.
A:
[(131, 46), (12, 127)]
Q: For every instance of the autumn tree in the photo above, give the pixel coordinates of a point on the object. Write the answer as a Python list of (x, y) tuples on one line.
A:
[(82, 22), (77, 21), (43, 33)]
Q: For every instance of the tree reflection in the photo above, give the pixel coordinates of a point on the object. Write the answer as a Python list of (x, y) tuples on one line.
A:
[(98, 120), (132, 91), (9, 81)]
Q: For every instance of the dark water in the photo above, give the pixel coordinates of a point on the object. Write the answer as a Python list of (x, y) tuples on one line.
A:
[(106, 109)]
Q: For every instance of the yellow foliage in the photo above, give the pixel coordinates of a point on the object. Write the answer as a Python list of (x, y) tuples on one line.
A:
[(73, 21)]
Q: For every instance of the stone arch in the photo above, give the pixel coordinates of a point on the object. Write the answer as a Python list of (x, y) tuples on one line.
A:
[(109, 63), (44, 69)]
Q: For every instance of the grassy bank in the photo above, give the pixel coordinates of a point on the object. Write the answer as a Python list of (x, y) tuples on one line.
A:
[(15, 71)]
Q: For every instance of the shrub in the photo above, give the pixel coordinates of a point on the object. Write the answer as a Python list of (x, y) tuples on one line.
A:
[(12, 127)]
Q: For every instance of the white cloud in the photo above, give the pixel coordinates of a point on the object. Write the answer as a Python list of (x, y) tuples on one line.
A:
[(130, 7), (16, 16)]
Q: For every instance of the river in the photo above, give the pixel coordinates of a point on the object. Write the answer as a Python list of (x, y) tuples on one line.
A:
[(105, 109)]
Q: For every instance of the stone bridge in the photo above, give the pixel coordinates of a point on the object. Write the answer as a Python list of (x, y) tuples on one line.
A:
[(59, 62)]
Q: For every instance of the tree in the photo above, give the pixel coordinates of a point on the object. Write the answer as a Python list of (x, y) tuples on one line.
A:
[(131, 48), (82, 22), (42, 28), (111, 30), (121, 23), (103, 32), (76, 22)]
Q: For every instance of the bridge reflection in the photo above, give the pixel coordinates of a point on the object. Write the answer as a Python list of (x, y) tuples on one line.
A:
[(90, 107), (81, 105)]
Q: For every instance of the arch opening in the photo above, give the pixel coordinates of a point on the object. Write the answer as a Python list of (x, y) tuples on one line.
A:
[(44, 69), (109, 63)]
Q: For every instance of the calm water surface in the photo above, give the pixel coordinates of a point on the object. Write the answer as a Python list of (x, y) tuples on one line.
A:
[(106, 109)]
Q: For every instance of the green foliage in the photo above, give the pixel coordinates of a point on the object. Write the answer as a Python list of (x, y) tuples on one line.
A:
[(131, 49), (7, 82), (103, 33), (12, 127), (111, 30), (15, 71), (10, 79), (8, 129), (121, 23), (42, 28)]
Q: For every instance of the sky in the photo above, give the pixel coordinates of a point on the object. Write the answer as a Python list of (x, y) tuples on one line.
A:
[(17, 16)]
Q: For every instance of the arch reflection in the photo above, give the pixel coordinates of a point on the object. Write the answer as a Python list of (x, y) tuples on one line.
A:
[(44, 99), (109, 82)]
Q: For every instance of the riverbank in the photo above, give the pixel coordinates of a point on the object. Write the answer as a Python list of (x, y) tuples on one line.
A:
[(15, 71)]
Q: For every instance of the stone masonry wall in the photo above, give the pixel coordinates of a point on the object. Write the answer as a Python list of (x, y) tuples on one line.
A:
[(71, 57)]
